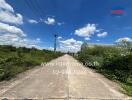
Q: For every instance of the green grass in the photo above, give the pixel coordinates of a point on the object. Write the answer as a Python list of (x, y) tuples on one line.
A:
[(127, 87), (113, 62), (16, 60)]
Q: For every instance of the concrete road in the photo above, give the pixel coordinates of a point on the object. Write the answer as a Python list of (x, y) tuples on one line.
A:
[(63, 79)]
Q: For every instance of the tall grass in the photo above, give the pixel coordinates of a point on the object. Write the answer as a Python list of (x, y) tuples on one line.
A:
[(16, 60), (115, 62)]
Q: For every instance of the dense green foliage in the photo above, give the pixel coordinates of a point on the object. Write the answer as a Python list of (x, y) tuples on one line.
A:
[(115, 62), (16, 60)]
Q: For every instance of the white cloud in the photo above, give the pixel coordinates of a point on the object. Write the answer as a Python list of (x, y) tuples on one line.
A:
[(104, 34), (50, 21), (86, 31), (59, 37), (5, 5), (71, 45), (59, 23), (16, 40), (38, 39), (8, 38), (87, 38), (125, 39), (50, 48), (26, 42), (6, 28), (32, 21), (12, 35), (98, 40), (8, 15)]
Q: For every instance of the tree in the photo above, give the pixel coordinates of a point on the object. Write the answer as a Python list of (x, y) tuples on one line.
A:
[(84, 45), (125, 44)]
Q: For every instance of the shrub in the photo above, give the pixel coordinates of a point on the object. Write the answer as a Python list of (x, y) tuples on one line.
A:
[(16, 60), (112, 61)]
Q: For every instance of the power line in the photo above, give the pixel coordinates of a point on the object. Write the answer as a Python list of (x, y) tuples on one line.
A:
[(32, 7), (29, 6), (36, 7), (37, 10)]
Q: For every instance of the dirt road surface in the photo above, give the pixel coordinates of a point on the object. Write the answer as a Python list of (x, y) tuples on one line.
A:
[(63, 79)]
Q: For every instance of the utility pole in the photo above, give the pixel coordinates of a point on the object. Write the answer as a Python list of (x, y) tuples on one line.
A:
[(55, 41)]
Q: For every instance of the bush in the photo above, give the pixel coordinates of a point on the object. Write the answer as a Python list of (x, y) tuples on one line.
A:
[(111, 60), (120, 65), (16, 60)]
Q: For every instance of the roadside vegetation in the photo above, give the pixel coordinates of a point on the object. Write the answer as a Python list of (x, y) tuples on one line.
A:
[(16, 60), (115, 62)]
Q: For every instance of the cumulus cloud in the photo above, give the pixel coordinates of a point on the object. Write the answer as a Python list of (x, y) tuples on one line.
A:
[(32, 21), (71, 45), (8, 38), (86, 31), (6, 28), (16, 40), (59, 37), (87, 38), (125, 39), (50, 48), (10, 34), (50, 21), (104, 34), (8, 15), (26, 42), (5, 5)]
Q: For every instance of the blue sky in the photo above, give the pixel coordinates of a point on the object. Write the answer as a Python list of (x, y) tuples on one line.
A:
[(33, 22)]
